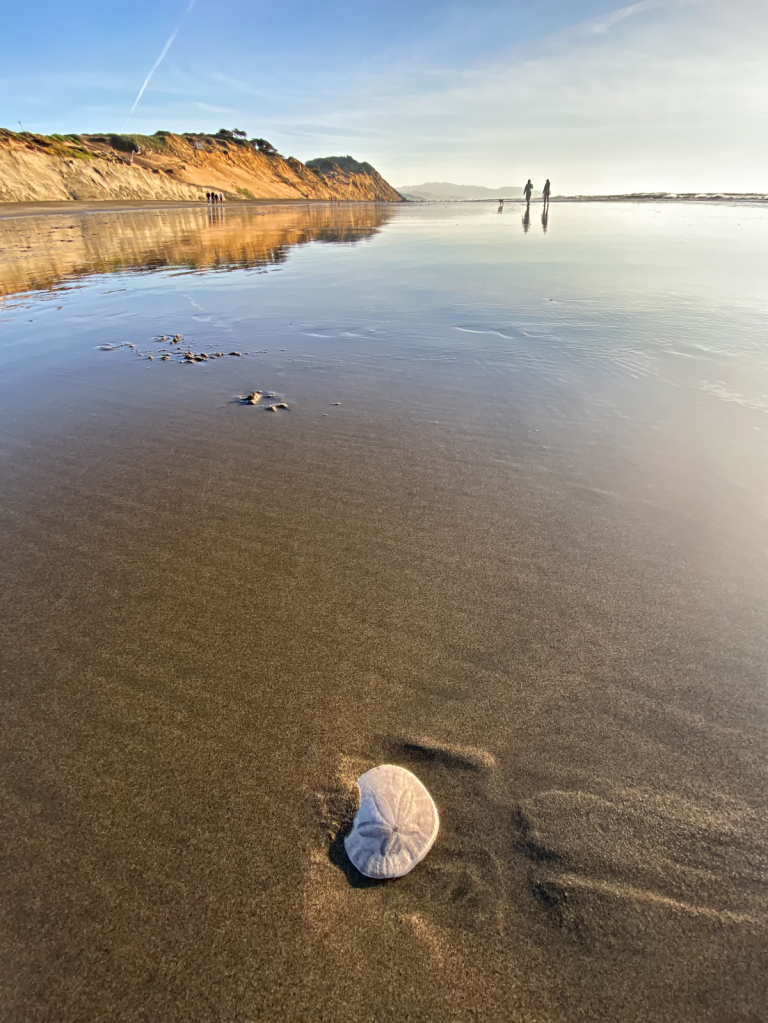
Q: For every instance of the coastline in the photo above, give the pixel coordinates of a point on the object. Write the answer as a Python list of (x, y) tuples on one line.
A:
[(633, 197), (699, 197), (43, 207)]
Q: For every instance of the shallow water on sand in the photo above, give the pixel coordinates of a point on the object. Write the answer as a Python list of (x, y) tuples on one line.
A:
[(510, 534)]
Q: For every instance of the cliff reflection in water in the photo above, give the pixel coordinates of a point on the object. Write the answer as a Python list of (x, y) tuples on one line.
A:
[(49, 251)]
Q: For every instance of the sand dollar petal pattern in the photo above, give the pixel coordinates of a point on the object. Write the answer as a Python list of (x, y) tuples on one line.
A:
[(396, 825)]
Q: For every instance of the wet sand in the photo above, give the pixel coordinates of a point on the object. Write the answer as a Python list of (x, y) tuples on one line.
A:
[(214, 620), (75, 206)]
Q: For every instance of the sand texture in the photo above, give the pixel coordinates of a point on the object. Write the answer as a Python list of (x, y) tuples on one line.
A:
[(182, 732), (215, 620)]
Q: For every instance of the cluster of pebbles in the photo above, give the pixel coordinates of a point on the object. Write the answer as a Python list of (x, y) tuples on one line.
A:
[(182, 353), (256, 396)]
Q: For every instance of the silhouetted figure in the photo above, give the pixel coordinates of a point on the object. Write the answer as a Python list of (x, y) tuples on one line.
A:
[(544, 218), (527, 190), (545, 193), (208, 197), (527, 219), (501, 206)]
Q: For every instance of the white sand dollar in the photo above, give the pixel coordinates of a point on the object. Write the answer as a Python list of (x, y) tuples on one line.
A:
[(396, 824)]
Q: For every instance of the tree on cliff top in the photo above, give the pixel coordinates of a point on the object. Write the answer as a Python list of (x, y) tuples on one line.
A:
[(264, 147)]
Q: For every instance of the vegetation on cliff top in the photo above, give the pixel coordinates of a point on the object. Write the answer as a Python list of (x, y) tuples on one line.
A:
[(90, 145), (128, 142)]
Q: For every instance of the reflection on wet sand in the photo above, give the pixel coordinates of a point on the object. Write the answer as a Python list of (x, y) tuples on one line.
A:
[(45, 252)]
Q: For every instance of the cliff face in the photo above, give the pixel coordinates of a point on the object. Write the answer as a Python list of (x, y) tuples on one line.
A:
[(168, 166), (354, 180)]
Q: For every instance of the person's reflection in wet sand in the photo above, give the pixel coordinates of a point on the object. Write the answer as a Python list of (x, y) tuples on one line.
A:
[(527, 219), (545, 218)]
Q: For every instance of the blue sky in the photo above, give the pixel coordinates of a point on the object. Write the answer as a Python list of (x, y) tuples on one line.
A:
[(658, 94)]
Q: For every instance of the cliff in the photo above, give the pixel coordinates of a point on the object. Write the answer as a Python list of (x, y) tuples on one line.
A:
[(353, 180), (168, 166)]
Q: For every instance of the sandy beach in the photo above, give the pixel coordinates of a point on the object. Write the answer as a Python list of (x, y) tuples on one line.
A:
[(530, 571)]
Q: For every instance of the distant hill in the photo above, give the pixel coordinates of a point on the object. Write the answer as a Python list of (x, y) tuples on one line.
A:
[(169, 166), (434, 191)]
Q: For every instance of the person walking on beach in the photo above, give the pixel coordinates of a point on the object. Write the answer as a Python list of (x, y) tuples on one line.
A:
[(527, 190), (545, 193)]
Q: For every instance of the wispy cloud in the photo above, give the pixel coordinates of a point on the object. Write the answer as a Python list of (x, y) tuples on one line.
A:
[(212, 109), (332, 131), (235, 85), (601, 25), (668, 104)]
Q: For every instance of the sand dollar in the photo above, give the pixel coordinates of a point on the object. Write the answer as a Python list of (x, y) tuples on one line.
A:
[(396, 824)]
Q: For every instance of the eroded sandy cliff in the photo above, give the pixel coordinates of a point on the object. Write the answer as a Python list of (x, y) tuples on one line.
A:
[(168, 166)]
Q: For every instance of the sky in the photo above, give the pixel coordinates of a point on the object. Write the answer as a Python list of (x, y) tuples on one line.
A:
[(667, 95)]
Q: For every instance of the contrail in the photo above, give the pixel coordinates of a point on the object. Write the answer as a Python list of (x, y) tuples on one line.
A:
[(157, 63)]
